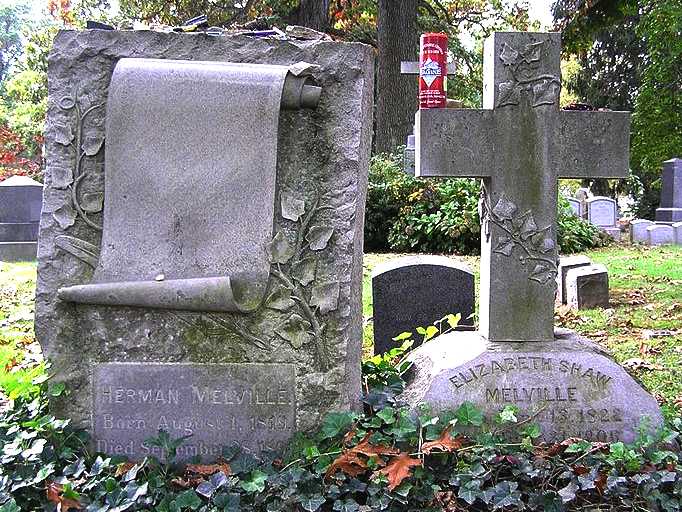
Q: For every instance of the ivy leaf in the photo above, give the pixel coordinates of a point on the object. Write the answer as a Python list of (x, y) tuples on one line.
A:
[(542, 243), (134, 491), (531, 52), (568, 493), (255, 482), (470, 491), (304, 270), (281, 250), (318, 237), (503, 495), (84, 251), (336, 422), (292, 208), (542, 273), (93, 202), (468, 414), (92, 144), (61, 177), (453, 320), (63, 134), (529, 227), (546, 92), (325, 296), (188, 499), (508, 55), (348, 505), (505, 245), (399, 469), (280, 300), (295, 331), (402, 336), (65, 216), (505, 208), (56, 494), (312, 502), (509, 94)]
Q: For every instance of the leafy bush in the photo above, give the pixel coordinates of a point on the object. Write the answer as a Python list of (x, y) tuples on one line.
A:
[(382, 460), (408, 214)]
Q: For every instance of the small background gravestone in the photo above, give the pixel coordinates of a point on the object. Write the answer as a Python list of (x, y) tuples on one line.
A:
[(678, 232), (587, 287), (20, 203), (582, 195), (670, 209), (638, 232), (660, 234), (567, 263), (603, 213), (415, 291), (576, 206)]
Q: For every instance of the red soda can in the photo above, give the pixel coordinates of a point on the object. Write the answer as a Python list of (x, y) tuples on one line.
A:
[(433, 72)]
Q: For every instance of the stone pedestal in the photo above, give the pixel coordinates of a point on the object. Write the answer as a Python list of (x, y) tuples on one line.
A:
[(570, 386), (20, 204), (671, 192)]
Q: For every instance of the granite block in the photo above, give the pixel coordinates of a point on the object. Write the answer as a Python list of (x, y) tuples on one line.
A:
[(567, 263), (587, 287)]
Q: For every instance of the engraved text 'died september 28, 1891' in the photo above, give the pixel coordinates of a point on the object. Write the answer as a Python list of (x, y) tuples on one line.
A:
[(216, 405)]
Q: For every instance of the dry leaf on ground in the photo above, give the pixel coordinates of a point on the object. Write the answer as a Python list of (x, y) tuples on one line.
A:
[(399, 469)]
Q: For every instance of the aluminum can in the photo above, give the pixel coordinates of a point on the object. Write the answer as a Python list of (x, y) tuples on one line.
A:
[(433, 73)]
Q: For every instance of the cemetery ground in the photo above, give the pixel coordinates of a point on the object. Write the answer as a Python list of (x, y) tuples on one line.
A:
[(406, 467)]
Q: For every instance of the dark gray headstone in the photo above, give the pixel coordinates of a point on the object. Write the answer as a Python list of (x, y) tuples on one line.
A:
[(20, 204), (415, 291), (567, 263), (213, 188), (587, 287), (670, 209)]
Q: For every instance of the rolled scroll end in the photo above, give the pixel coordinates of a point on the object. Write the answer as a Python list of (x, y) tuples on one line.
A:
[(211, 294)]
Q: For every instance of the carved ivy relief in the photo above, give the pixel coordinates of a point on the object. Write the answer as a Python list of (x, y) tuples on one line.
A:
[(535, 245), (523, 64), (295, 293)]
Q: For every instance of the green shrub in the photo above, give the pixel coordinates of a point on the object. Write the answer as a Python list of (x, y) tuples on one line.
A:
[(408, 214)]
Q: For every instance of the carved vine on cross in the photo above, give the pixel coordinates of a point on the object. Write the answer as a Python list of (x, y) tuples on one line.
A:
[(523, 64), (521, 231)]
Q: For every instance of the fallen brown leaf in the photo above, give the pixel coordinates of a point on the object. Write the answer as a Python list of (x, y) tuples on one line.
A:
[(207, 469), (54, 494), (445, 443), (399, 469)]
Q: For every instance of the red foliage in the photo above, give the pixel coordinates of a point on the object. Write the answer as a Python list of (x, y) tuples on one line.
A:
[(11, 161)]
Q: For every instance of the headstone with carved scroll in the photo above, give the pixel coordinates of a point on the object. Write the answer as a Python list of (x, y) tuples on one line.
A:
[(200, 250), (519, 144)]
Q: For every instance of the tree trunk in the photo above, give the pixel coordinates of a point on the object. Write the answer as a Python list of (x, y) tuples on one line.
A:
[(314, 14), (396, 94)]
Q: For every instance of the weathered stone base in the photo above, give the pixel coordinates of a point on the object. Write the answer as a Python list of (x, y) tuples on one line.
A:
[(669, 214), (18, 251), (571, 386)]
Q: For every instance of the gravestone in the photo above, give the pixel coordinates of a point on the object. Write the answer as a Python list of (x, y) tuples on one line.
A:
[(582, 195), (678, 232), (415, 291), (576, 206), (408, 156), (603, 213), (660, 234), (587, 287), (520, 143), (203, 274), (670, 209), (638, 232), (20, 201), (567, 263)]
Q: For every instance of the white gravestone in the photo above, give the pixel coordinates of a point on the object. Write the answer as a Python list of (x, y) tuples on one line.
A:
[(602, 211), (678, 232), (638, 233), (576, 206), (660, 234)]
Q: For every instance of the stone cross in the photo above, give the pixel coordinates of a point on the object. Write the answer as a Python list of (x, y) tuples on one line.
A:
[(519, 144)]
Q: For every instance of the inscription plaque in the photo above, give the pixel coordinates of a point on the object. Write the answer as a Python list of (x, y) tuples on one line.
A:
[(216, 405)]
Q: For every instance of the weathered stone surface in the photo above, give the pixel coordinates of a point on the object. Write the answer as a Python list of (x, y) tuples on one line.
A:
[(670, 209), (416, 291), (570, 386), (520, 143), (678, 232), (587, 287), (638, 233), (322, 161), (576, 206), (660, 234), (20, 202), (602, 211), (567, 263), (251, 404)]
